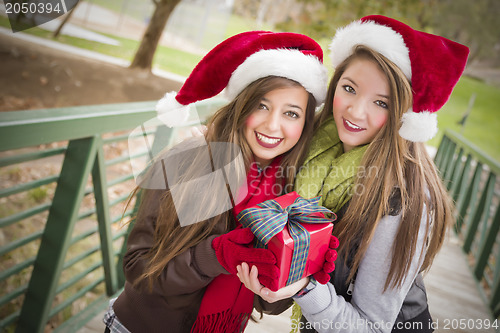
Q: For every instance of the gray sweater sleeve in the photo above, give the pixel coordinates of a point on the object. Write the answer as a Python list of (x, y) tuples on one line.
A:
[(371, 309)]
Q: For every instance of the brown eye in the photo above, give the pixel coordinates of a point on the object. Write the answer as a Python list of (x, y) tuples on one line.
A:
[(349, 89), (382, 104), (292, 114), (263, 107)]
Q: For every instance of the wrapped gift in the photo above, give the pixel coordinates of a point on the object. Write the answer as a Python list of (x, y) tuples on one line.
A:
[(295, 229)]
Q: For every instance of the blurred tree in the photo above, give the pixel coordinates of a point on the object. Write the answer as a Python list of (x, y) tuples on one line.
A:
[(144, 56), (246, 8), (473, 23), (320, 18), (57, 32), (266, 13)]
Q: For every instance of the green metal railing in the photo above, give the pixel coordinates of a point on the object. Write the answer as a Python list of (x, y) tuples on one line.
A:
[(471, 179), (65, 179)]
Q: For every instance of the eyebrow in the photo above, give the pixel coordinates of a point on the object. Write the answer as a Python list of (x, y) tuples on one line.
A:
[(289, 105), (351, 80), (354, 83)]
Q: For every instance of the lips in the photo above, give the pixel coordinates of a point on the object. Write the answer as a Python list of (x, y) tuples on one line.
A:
[(267, 141), (351, 127)]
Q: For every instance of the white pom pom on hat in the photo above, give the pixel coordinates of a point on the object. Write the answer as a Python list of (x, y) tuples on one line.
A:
[(432, 63), (172, 112), (242, 59)]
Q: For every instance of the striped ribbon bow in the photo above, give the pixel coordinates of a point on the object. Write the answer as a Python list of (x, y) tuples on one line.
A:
[(269, 218)]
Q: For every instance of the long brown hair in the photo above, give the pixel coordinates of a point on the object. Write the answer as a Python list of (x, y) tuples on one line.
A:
[(226, 125), (405, 173)]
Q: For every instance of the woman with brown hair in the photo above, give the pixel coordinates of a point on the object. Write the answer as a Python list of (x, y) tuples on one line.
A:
[(180, 264), (369, 164)]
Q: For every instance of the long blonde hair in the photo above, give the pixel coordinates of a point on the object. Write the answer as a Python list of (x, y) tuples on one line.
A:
[(226, 125), (405, 174)]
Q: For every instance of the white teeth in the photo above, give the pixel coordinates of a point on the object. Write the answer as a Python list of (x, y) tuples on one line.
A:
[(265, 139), (352, 125)]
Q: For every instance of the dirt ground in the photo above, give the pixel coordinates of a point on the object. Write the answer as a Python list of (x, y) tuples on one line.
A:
[(34, 76)]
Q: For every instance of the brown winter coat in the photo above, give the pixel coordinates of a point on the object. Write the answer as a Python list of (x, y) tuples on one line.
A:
[(173, 304)]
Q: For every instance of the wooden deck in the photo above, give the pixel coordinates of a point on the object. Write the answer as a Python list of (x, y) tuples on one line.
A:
[(453, 293), (453, 296)]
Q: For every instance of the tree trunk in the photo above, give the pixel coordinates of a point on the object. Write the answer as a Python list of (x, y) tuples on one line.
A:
[(64, 21), (144, 56)]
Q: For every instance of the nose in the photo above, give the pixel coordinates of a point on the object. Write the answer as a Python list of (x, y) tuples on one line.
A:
[(273, 120), (357, 109)]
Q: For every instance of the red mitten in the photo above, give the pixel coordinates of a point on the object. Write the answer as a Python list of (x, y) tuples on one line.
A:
[(323, 275), (236, 247)]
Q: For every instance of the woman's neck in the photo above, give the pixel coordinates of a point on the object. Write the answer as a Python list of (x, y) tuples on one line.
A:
[(262, 164), (347, 147)]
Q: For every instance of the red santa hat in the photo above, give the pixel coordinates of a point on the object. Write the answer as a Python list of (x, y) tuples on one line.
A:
[(241, 60), (433, 65)]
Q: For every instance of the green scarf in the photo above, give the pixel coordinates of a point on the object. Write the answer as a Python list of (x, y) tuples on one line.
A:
[(327, 172)]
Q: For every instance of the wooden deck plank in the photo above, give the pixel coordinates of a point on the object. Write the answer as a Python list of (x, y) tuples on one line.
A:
[(452, 292)]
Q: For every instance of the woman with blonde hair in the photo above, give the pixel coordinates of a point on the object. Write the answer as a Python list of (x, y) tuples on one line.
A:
[(370, 165)]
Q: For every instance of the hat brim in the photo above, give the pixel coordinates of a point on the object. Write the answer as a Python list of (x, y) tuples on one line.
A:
[(291, 64), (378, 37)]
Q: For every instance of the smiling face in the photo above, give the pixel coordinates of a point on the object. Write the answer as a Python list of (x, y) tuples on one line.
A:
[(276, 125), (361, 103)]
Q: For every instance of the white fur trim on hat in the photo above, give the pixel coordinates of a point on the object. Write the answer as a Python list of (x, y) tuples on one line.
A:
[(375, 36), (291, 64), (171, 112), (418, 126)]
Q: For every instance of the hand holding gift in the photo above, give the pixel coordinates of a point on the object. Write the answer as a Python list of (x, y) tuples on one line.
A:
[(249, 277), (323, 276), (234, 248), (299, 232)]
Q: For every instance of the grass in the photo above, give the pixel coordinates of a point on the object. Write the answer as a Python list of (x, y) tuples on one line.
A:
[(175, 61), (482, 127), (238, 24), (38, 194), (166, 58)]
